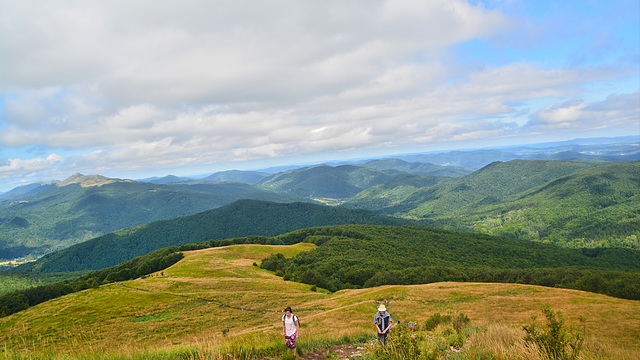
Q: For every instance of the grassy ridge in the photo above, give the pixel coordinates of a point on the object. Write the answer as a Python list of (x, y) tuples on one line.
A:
[(215, 301), (354, 256)]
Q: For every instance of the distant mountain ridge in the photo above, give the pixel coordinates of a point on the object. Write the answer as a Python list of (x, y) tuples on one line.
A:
[(88, 180), (324, 181), (83, 207), (39, 218)]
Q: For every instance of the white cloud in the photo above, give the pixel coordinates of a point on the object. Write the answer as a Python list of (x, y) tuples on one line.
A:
[(616, 110), (19, 166), (129, 85)]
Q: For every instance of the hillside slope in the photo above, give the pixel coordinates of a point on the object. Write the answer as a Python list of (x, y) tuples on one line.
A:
[(497, 182), (590, 208), (239, 219), (572, 204), (215, 302), (420, 169)]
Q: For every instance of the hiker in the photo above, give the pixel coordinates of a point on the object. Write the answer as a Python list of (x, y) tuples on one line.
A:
[(290, 329), (383, 323)]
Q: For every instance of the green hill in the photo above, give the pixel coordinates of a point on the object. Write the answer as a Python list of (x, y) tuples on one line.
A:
[(83, 207), (590, 208), (239, 219), (573, 204), (494, 183), (362, 256), (324, 181), (393, 192)]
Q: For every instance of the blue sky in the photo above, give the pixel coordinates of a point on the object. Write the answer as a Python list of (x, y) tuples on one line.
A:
[(150, 88)]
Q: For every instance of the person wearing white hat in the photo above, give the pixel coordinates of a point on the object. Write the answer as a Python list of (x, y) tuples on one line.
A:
[(383, 323)]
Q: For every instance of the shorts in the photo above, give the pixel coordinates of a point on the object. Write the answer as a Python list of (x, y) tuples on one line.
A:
[(290, 341)]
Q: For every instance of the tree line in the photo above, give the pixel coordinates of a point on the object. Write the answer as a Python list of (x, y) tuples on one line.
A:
[(413, 255)]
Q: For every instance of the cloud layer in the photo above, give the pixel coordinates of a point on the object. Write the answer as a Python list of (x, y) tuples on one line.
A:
[(120, 86)]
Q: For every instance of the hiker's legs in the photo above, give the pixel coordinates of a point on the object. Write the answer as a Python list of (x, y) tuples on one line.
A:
[(382, 339), (291, 343)]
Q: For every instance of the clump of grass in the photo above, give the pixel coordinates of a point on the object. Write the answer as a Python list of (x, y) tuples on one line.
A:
[(501, 342)]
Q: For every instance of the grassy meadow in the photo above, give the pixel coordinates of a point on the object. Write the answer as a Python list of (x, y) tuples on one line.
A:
[(216, 302)]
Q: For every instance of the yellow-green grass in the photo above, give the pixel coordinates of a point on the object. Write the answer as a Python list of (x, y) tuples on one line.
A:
[(215, 300)]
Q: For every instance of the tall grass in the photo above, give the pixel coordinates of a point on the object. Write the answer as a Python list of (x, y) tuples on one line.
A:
[(493, 342), (210, 350), (215, 304)]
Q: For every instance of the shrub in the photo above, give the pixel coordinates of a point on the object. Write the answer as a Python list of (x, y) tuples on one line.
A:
[(435, 320), (557, 341), (403, 344), (459, 322)]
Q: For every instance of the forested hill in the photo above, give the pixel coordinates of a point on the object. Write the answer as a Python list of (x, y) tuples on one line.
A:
[(239, 219), (324, 181), (496, 182), (572, 204), (357, 256)]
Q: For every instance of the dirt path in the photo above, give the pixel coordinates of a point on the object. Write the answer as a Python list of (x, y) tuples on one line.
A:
[(342, 352)]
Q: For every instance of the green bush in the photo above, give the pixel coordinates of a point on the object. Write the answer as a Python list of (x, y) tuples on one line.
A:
[(435, 320), (557, 341), (459, 322), (403, 344)]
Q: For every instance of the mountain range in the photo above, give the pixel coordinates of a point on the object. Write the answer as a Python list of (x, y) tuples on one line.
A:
[(84, 207), (588, 201)]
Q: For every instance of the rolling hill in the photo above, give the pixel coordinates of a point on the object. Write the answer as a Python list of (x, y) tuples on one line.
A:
[(590, 208), (84, 207), (324, 181), (41, 218), (239, 219), (215, 302), (496, 182)]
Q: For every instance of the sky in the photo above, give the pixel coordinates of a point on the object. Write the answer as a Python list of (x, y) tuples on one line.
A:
[(134, 89)]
